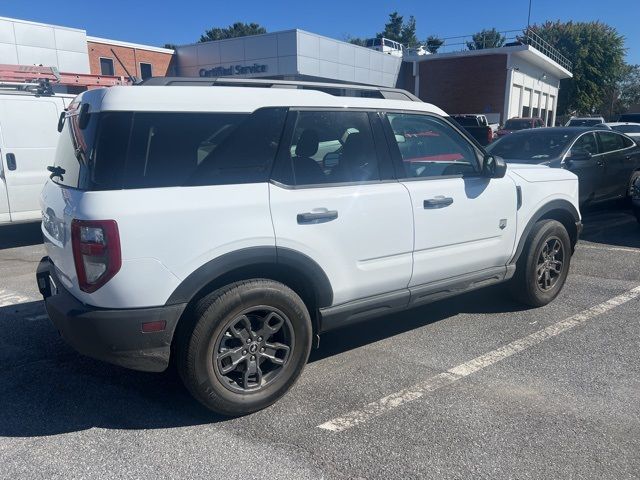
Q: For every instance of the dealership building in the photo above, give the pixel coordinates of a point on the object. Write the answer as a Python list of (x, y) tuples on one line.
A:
[(519, 79)]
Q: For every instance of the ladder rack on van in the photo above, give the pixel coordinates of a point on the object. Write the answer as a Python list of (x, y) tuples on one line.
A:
[(40, 80), (336, 89)]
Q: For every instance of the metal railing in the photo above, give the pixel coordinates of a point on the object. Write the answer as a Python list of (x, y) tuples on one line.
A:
[(505, 38)]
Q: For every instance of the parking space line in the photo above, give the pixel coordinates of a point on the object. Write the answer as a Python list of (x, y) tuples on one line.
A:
[(610, 249), (395, 400)]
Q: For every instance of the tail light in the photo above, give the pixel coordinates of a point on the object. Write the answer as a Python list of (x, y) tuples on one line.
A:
[(489, 135), (96, 252)]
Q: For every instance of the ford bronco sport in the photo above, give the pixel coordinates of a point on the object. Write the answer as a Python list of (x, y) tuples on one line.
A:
[(226, 228)]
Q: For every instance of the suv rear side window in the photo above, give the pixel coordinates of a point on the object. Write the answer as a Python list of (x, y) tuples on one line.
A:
[(164, 149), (330, 147), (430, 147)]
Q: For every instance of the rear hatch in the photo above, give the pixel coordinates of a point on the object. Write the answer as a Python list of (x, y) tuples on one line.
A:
[(63, 193)]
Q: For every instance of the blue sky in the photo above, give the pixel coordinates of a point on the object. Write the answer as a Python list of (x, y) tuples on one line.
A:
[(182, 21)]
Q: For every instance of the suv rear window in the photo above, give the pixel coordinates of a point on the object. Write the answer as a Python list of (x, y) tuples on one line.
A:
[(164, 149)]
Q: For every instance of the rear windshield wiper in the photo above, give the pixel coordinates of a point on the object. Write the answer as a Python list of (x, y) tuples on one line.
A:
[(56, 172)]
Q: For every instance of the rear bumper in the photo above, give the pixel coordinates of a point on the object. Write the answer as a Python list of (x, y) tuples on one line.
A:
[(111, 335)]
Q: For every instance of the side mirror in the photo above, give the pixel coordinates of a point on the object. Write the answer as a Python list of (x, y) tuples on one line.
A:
[(579, 154), (494, 166)]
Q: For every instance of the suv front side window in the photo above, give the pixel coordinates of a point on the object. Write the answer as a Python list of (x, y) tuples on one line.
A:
[(329, 147), (429, 147)]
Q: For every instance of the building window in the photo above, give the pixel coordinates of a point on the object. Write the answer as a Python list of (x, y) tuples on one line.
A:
[(106, 66), (145, 70)]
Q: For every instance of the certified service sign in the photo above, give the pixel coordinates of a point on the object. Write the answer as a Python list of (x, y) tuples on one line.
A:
[(233, 70)]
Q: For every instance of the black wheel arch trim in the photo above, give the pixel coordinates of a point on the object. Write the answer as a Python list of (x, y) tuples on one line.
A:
[(540, 213), (246, 257)]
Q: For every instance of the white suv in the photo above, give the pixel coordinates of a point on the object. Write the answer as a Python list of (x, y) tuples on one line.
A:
[(228, 227)]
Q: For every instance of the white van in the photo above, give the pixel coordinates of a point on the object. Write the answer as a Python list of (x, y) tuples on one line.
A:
[(28, 138)]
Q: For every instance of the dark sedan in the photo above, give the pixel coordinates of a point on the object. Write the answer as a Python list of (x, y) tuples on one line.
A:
[(605, 161)]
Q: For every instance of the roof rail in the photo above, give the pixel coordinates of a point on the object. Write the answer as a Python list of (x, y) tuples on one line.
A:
[(336, 89)]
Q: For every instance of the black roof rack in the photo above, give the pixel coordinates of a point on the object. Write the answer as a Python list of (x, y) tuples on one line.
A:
[(336, 89)]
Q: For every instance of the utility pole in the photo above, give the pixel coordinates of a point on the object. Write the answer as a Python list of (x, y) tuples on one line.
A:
[(529, 18)]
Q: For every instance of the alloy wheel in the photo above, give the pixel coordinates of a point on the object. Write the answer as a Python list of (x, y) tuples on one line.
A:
[(253, 349), (550, 263)]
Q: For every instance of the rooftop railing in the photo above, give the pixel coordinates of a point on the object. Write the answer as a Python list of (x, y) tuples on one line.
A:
[(506, 38)]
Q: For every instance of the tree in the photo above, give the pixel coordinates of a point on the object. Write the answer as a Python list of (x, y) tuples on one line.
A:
[(356, 41), (408, 33), (434, 43), (629, 87), (393, 28), (486, 39), (238, 29), (171, 46), (596, 51)]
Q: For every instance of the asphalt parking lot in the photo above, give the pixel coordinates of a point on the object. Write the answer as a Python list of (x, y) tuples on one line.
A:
[(471, 387)]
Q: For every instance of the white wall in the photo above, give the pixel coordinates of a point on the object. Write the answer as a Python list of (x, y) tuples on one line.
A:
[(289, 53), (529, 85), (30, 43)]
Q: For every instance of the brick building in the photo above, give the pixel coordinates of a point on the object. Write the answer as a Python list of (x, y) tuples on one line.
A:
[(516, 80), (140, 61)]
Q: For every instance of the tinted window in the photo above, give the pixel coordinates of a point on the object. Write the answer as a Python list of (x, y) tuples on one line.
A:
[(145, 70), (610, 141), (586, 143), (517, 124), (626, 128), (584, 122), (430, 147), (331, 147), (467, 121), (160, 149), (628, 142), (534, 145), (106, 66)]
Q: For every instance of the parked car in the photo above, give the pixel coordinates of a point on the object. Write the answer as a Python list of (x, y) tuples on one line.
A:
[(228, 227), (628, 128), (635, 197), (477, 127), (519, 123), (28, 142), (630, 117), (606, 162), (584, 121)]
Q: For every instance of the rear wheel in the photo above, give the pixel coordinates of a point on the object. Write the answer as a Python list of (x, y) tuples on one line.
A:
[(543, 266), (249, 344)]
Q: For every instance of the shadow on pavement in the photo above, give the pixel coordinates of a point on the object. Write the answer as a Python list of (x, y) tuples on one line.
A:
[(611, 225), (21, 235), (46, 388)]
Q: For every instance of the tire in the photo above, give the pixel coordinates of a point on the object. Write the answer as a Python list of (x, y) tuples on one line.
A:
[(526, 287), (233, 357)]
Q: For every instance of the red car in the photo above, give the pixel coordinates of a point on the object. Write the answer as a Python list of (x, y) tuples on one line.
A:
[(520, 123)]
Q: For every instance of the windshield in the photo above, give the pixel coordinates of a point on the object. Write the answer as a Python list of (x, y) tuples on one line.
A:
[(584, 122), (626, 128), (519, 124), (531, 146), (466, 121)]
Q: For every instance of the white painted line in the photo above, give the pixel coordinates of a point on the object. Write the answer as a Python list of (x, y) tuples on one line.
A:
[(395, 400), (611, 249), (8, 298), (37, 317)]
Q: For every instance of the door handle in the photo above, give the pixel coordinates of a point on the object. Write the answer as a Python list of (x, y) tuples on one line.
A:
[(321, 216), (11, 161), (437, 202)]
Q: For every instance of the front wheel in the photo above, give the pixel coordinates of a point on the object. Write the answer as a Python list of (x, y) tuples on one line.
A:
[(248, 346), (543, 266)]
